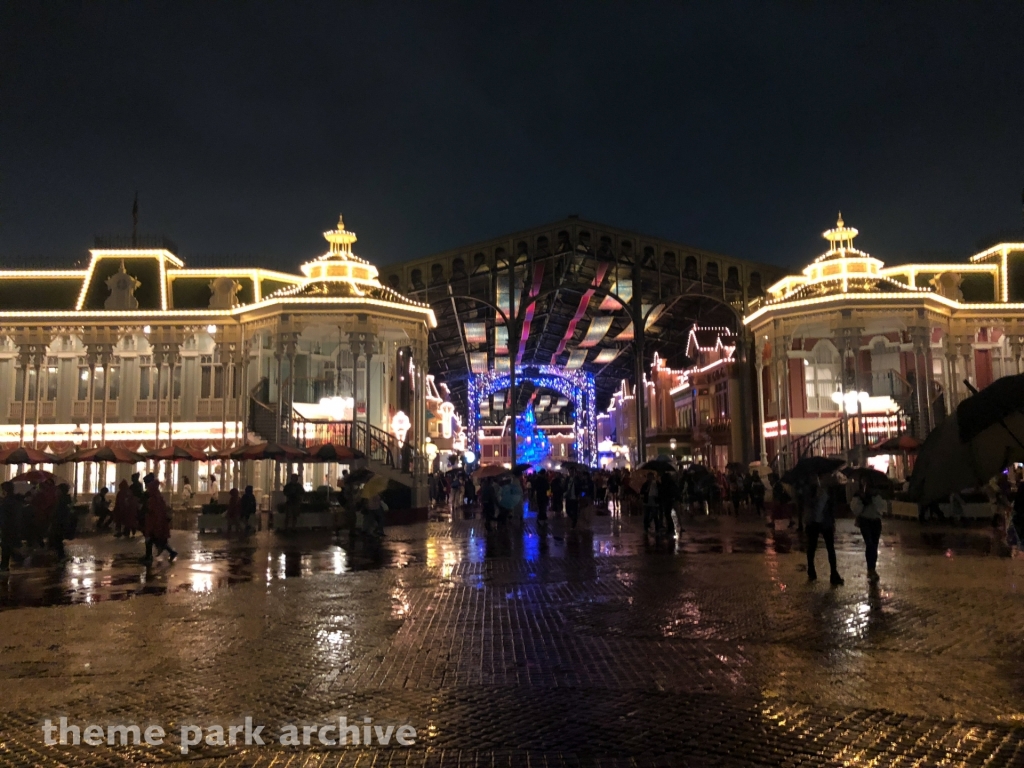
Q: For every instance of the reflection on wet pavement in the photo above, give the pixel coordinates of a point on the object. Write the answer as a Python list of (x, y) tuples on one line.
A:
[(102, 568), (708, 649)]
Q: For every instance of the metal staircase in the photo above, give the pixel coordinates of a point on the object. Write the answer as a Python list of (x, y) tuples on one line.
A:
[(381, 447)]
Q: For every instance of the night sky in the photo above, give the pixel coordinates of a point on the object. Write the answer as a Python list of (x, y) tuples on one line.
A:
[(742, 128)]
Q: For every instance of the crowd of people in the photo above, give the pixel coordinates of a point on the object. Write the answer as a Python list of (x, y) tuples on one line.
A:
[(44, 517)]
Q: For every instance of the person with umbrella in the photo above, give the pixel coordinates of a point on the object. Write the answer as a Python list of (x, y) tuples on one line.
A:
[(510, 496), (820, 521), (488, 501), (868, 505)]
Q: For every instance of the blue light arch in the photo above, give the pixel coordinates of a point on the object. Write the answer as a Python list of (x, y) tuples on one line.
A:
[(574, 384)]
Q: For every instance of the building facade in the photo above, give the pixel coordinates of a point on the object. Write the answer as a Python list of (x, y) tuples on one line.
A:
[(141, 351), (695, 414), (851, 351)]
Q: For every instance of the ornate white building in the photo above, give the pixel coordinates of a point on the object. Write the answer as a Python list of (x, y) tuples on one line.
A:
[(141, 351)]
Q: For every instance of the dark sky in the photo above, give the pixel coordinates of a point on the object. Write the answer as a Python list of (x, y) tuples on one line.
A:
[(742, 128)]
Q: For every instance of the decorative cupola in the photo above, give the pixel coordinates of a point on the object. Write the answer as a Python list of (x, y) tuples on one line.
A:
[(339, 263)]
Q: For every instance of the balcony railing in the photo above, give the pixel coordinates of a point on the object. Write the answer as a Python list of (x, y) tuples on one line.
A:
[(147, 409), (80, 409), (47, 408)]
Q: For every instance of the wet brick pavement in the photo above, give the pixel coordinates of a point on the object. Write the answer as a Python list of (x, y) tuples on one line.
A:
[(515, 648)]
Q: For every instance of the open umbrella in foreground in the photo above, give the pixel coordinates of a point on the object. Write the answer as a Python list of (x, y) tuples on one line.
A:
[(870, 476), (177, 453), (23, 455), (518, 469), (810, 466), (983, 437), (657, 466), (491, 470), (374, 486)]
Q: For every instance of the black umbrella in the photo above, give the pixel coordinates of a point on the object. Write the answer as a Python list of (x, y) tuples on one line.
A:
[(735, 466), (869, 475), (657, 466), (810, 466), (575, 466), (966, 450)]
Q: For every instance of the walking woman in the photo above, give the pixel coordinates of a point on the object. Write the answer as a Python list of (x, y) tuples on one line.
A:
[(868, 505)]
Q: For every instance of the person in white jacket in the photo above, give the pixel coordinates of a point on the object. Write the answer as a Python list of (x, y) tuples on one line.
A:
[(868, 505)]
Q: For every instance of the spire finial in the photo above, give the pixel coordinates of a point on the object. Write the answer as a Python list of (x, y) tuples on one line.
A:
[(839, 221), (341, 223)]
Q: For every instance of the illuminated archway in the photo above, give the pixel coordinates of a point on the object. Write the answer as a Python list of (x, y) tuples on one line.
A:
[(575, 384)]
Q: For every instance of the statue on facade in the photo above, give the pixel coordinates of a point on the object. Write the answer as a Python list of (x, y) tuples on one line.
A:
[(947, 284), (122, 290), (224, 293)]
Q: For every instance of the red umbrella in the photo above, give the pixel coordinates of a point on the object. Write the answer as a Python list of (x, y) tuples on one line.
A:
[(23, 455), (177, 453), (332, 452), (35, 476), (272, 451), (112, 454), (898, 444)]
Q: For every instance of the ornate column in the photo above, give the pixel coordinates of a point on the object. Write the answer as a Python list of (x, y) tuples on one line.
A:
[(106, 360), (279, 356), (784, 352), (966, 352), (92, 353), (355, 343), (759, 347), (369, 346), (39, 363), (25, 357)]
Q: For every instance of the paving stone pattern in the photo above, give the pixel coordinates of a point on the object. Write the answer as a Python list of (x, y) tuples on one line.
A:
[(586, 648)]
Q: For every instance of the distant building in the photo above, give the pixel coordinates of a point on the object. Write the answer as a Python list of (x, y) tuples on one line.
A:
[(694, 413)]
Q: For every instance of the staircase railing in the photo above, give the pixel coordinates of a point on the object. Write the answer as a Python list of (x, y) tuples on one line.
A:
[(826, 441), (263, 420), (380, 446), (310, 432)]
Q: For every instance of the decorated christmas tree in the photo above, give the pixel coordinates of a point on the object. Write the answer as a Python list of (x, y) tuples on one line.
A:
[(532, 444)]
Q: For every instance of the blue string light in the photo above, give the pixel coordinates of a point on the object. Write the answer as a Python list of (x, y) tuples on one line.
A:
[(573, 383)]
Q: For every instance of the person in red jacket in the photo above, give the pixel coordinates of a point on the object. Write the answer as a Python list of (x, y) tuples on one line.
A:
[(158, 523)]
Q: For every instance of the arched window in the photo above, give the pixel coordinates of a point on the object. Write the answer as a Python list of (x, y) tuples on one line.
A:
[(822, 377), (733, 279), (436, 274), (417, 279), (690, 268), (458, 268)]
